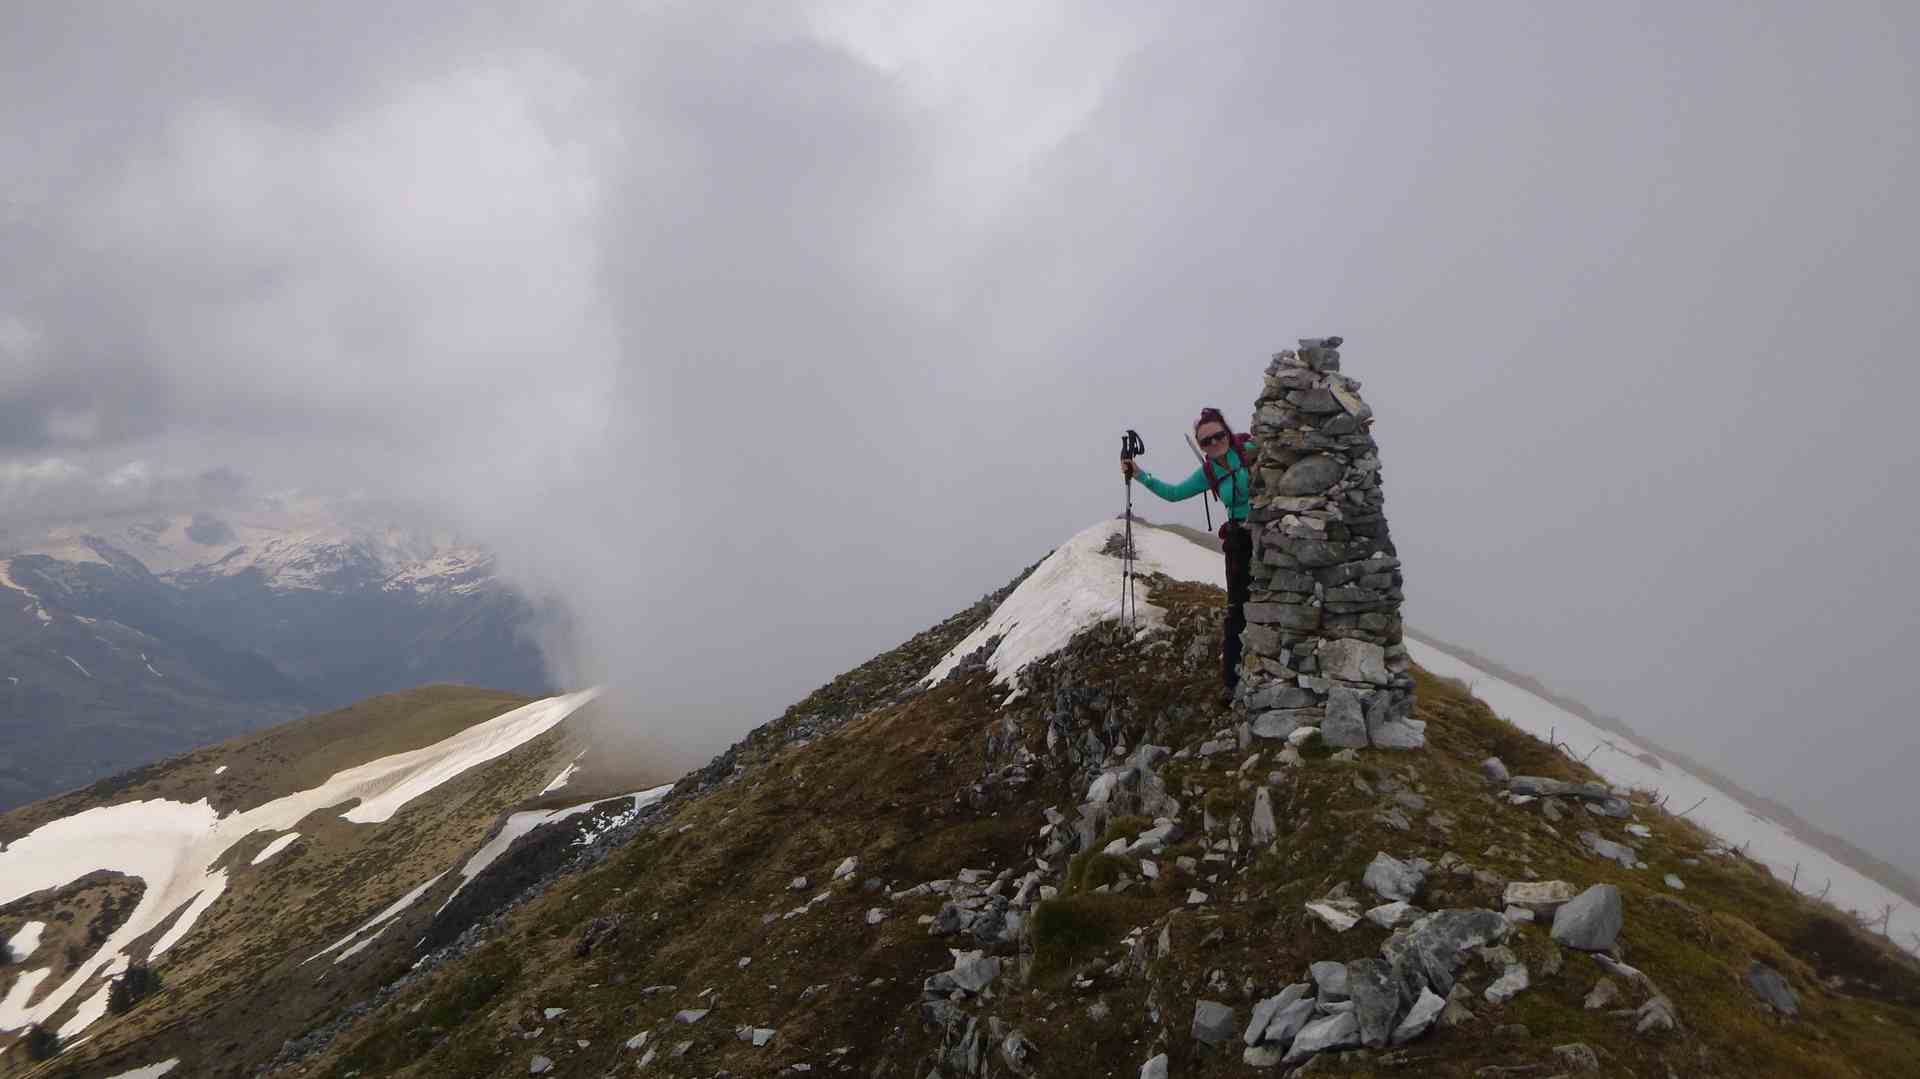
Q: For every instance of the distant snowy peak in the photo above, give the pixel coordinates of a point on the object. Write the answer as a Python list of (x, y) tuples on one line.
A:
[(316, 555), (458, 570), (326, 562)]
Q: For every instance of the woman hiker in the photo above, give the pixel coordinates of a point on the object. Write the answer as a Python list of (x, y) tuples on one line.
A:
[(1225, 473)]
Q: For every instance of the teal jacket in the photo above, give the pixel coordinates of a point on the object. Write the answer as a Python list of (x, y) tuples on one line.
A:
[(1233, 491)]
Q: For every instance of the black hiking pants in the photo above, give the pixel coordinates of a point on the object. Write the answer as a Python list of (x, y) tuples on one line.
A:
[(1238, 543)]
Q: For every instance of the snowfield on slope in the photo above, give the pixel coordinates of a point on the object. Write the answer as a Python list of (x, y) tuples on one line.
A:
[(282, 843), (173, 845), (1075, 587), (519, 824), (151, 1071), (1625, 763), (25, 941), (565, 776)]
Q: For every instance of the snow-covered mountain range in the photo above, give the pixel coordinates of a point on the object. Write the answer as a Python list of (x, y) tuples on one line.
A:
[(126, 638), (286, 544)]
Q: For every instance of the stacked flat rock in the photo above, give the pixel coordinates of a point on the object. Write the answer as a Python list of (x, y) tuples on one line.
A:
[(1322, 643)]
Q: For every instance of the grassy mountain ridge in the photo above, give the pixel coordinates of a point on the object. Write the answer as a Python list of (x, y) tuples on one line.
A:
[(243, 983), (240, 982), (723, 923)]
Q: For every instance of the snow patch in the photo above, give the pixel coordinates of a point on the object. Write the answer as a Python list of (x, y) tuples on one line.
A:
[(378, 921), (14, 1012), (212, 887), (86, 1015), (6, 581), (641, 800), (25, 941), (151, 1071), (220, 771), (275, 847), (519, 824), (561, 779), (172, 846), (1075, 587), (1623, 763), (425, 769)]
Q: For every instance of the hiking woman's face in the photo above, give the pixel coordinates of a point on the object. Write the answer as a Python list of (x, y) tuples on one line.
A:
[(1217, 448)]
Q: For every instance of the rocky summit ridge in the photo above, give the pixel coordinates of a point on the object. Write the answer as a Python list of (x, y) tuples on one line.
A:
[(1095, 871)]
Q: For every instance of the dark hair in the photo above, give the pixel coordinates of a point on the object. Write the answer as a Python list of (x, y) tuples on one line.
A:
[(1212, 415)]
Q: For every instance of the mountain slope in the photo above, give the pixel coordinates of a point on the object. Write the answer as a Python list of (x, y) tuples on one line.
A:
[(967, 877), (125, 640), (269, 880)]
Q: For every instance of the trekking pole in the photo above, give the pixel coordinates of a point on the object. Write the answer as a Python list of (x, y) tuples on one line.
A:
[(1131, 446), (1202, 458)]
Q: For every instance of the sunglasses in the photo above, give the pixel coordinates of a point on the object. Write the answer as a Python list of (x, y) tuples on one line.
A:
[(1217, 436)]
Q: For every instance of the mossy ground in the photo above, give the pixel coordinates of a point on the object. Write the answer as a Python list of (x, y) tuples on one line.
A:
[(709, 886)]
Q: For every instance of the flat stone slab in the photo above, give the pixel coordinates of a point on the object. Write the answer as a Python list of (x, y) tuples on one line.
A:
[(1331, 978), (1509, 984), (1289, 1021), (1340, 1031), (1591, 920), (1282, 722), (1345, 724), (1772, 987), (1265, 1010), (1376, 999), (1539, 896), (1213, 1022), (1338, 917), (1419, 1018), (1263, 828), (1393, 915), (1610, 850), (1354, 661), (1392, 879)]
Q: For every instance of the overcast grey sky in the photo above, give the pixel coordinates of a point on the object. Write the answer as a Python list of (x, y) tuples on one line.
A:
[(767, 334)]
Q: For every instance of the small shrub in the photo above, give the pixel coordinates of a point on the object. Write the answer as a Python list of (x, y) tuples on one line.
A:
[(1221, 803), (1091, 869), (1066, 928), (1834, 947), (42, 1044), (130, 988), (1126, 827)]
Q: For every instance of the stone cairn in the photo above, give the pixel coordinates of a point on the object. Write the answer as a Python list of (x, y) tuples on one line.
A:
[(1322, 643)]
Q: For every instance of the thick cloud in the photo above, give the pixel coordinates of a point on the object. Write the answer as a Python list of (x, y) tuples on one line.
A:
[(765, 334)]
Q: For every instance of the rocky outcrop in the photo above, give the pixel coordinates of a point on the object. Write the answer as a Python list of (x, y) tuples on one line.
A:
[(1323, 637)]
